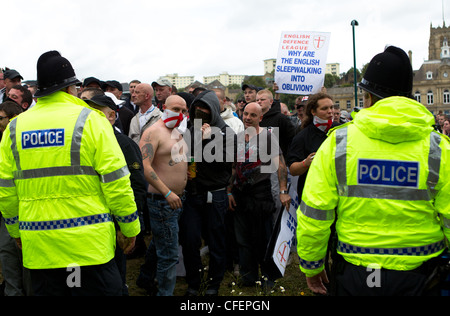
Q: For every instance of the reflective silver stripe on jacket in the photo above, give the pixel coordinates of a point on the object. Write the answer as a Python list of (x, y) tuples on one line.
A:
[(386, 192), (12, 135), (408, 251), (54, 171), (7, 183), (75, 148), (115, 175), (320, 215), (434, 162), (341, 161)]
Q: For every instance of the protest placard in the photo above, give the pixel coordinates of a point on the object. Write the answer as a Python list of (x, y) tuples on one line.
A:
[(301, 62), (286, 238)]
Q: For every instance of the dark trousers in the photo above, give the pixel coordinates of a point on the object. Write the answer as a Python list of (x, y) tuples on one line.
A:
[(253, 233), (232, 247), (354, 280), (200, 217), (98, 280), (253, 224), (121, 261)]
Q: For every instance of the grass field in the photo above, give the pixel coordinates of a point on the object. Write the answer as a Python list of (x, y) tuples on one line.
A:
[(292, 284)]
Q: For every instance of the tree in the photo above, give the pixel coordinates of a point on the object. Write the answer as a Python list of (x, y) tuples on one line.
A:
[(350, 75), (256, 81), (330, 80), (234, 86), (364, 69)]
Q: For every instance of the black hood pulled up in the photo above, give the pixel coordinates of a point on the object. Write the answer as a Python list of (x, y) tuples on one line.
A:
[(208, 99)]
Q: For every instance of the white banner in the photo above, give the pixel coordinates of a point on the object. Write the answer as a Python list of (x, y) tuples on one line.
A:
[(301, 62), (288, 226)]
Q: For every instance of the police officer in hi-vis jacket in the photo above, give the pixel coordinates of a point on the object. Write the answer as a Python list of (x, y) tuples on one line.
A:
[(384, 180), (63, 183)]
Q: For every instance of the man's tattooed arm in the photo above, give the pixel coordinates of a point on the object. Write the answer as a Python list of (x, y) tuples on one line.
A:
[(147, 151)]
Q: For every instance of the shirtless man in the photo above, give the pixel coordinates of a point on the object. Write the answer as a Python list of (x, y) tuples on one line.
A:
[(165, 168)]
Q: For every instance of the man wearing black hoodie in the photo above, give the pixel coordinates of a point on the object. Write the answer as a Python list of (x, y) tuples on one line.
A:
[(272, 117), (206, 198), (281, 126)]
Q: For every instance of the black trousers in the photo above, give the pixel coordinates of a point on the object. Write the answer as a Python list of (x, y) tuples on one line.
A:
[(351, 280), (98, 280)]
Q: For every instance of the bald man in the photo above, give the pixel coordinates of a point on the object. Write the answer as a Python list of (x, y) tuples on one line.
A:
[(252, 195), (165, 169), (252, 116), (166, 163), (147, 115)]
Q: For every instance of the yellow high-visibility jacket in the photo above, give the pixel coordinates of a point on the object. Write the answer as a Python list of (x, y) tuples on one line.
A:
[(63, 181), (385, 177)]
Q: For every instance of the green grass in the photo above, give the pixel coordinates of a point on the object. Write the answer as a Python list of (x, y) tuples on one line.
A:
[(292, 284)]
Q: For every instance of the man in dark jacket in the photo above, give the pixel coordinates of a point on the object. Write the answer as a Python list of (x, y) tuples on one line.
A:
[(125, 114), (281, 126), (206, 199), (272, 117), (133, 158)]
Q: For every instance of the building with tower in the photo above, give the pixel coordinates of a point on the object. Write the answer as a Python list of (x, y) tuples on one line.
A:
[(431, 85), (432, 80)]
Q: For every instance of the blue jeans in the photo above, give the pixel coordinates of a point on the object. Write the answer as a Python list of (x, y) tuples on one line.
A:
[(162, 253), (204, 220)]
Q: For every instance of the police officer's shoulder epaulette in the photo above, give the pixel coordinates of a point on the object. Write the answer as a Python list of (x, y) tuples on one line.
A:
[(331, 131)]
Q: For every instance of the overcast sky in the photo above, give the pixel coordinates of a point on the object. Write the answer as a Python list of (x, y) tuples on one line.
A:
[(146, 39)]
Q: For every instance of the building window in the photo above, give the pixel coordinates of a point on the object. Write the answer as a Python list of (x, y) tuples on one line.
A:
[(418, 97), (349, 104), (430, 98), (446, 97), (361, 103), (429, 75)]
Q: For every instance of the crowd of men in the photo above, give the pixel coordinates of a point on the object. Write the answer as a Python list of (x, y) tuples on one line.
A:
[(227, 203)]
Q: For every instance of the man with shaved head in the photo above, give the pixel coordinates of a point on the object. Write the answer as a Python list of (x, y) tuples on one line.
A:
[(165, 169), (147, 115), (251, 195)]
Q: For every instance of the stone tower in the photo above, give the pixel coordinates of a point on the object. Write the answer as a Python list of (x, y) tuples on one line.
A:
[(437, 37)]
